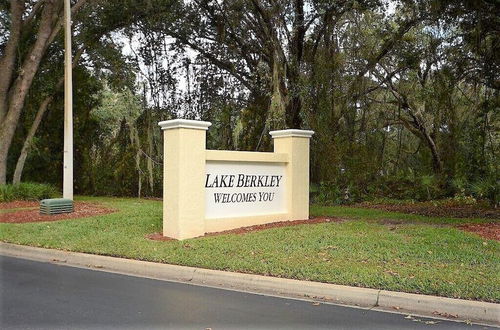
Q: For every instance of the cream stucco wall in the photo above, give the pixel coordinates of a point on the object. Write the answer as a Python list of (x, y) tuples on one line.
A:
[(185, 157), (183, 179), (295, 144)]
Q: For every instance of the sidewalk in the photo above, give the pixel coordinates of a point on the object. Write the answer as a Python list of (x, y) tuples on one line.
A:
[(407, 303)]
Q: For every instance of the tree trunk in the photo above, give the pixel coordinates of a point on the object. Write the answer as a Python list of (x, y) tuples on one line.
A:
[(149, 160), (8, 59), (136, 143), (36, 123), (29, 138), (417, 127), (437, 164), (294, 106), (279, 99), (18, 92)]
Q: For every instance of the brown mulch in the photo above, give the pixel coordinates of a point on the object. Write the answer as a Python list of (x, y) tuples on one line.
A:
[(485, 230), (18, 205), (159, 237), (249, 229), (82, 210), (427, 209)]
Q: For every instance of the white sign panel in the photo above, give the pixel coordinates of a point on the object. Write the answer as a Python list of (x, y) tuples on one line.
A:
[(240, 189)]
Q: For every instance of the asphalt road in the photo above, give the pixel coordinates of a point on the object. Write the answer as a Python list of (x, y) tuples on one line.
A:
[(35, 295)]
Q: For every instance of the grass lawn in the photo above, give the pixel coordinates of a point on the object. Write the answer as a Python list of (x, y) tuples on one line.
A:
[(421, 254)]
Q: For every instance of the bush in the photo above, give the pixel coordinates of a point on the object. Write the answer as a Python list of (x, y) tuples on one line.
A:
[(27, 191), (327, 193), (482, 189), (332, 193), (393, 188), (487, 188)]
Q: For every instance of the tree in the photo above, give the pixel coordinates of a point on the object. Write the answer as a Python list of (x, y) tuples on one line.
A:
[(33, 28)]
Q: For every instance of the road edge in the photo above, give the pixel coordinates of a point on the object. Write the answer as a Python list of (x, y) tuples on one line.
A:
[(426, 305)]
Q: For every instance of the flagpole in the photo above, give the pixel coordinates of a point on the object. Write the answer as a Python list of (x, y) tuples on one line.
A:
[(68, 106)]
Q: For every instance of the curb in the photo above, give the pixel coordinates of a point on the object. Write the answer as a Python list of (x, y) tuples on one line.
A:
[(482, 312)]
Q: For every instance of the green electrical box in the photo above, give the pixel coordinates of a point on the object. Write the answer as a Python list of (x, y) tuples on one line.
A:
[(56, 206)]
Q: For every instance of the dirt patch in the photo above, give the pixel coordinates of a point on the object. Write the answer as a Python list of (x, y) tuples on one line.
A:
[(485, 230), (159, 237), (82, 210), (249, 229), (18, 205), (443, 210)]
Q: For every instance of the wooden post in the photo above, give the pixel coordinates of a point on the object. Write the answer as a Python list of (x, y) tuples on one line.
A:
[(68, 106)]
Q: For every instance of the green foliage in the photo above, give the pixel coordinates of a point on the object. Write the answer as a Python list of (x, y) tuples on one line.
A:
[(28, 191), (404, 103), (335, 193), (398, 188), (124, 148), (429, 185), (486, 188), (327, 193)]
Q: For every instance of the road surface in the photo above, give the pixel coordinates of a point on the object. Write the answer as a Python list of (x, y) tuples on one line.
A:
[(36, 295)]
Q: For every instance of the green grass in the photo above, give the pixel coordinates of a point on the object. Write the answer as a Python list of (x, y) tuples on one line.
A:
[(423, 255)]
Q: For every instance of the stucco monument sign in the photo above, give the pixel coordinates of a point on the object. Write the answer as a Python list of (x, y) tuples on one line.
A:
[(214, 190)]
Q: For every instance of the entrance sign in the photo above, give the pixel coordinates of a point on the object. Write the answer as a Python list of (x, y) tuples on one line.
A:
[(235, 189), (214, 190)]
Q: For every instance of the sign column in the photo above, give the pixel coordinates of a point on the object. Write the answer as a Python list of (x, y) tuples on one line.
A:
[(295, 143), (183, 177)]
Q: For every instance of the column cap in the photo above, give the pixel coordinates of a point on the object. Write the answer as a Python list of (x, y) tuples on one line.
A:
[(291, 133), (184, 123)]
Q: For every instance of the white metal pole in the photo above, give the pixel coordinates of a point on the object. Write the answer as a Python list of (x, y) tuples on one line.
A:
[(68, 106)]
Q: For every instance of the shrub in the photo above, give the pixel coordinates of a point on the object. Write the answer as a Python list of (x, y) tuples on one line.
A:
[(394, 187), (27, 191), (328, 193), (428, 188), (333, 193), (487, 188)]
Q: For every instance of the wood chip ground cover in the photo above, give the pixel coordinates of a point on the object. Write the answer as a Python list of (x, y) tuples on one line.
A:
[(18, 205), (485, 230), (82, 210), (427, 209)]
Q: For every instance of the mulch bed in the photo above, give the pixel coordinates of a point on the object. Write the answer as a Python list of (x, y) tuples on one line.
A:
[(249, 229), (437, 211), (159, 237), (18, 205), (82, 210), (485, 230)]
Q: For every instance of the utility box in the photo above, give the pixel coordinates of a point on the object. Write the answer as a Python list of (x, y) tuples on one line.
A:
[(56, 206)]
